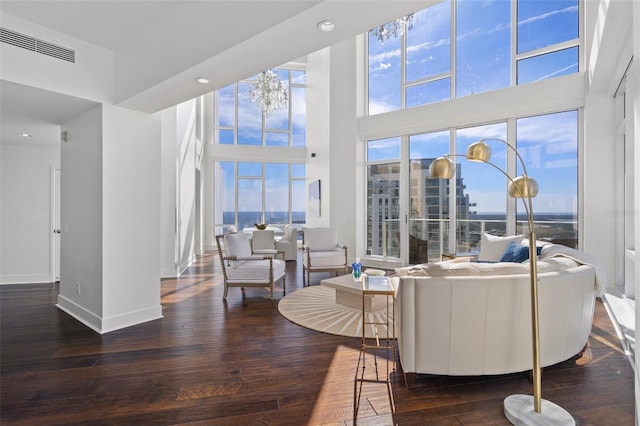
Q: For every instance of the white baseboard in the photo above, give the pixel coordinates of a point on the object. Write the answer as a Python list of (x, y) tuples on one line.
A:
[(25, 279), (83, 315), (168, 273), (131, 318), (105, 325)]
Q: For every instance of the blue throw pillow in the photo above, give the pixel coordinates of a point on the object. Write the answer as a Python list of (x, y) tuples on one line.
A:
[(515, 253)]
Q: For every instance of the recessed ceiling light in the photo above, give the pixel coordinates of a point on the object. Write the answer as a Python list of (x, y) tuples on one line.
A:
[(202, 80), (326, 25), (24, 135)]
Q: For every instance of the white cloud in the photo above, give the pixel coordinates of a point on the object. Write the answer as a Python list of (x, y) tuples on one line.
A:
[(571, 9), (378, 107), (556, 72), (384, 56)]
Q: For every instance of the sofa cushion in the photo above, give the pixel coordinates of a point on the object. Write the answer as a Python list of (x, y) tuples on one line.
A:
[(326, 258), (254, 270), (492, 246), (237, 245), (321, 239)]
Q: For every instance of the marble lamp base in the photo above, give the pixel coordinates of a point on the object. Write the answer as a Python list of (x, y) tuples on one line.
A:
[(518, 409)]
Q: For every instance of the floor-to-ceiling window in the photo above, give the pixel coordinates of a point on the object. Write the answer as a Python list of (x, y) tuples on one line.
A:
[(429, 207), (457, 49), (482, 205), (451, 215), (383, 197), (252, 192), (249, 189), (548, 145)]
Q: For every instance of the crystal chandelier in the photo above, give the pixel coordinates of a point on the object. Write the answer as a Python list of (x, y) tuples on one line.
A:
[(394, 28), (268, 93)]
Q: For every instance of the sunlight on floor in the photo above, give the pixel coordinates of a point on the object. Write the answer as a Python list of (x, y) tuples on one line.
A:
[(338, 391), (185, 288)]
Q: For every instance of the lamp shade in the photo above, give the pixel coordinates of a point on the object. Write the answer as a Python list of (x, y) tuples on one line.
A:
[(523, 187), (479, 151), (443, 168)]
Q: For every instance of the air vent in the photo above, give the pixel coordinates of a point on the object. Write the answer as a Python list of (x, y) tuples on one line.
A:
[(36, 45)]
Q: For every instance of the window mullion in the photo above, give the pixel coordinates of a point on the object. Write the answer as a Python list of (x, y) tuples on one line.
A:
[(235, 125), (403, 70), (453, 198), (452, 59), (514, 42)]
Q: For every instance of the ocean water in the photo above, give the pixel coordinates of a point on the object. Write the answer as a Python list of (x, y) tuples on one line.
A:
[(247, 219)]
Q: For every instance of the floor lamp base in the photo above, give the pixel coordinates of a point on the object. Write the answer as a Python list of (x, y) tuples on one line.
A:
[(519, 410)]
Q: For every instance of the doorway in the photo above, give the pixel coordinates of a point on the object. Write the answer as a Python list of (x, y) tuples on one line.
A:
[(55, 225)]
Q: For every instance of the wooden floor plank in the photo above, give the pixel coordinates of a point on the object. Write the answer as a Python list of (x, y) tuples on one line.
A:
[(240, 362)]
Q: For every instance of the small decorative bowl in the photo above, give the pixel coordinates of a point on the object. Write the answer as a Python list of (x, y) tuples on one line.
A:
[(260, 226)]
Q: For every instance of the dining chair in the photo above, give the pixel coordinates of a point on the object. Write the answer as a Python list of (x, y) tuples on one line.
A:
[(263, 242)]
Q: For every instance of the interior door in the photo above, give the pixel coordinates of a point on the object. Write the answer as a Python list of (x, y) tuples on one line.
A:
[(56, 225)]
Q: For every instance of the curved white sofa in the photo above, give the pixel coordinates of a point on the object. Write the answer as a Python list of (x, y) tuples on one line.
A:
[(475, 318)]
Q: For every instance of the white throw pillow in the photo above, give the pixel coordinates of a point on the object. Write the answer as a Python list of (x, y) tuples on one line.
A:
[(237, 245), (492, 247)]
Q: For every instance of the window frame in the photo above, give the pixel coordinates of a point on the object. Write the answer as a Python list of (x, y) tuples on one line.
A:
[(514, 59), (265, 130)]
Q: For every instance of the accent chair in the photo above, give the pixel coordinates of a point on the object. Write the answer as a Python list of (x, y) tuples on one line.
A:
[(241, 268), (289, 243), (263, 242), (322, 253)]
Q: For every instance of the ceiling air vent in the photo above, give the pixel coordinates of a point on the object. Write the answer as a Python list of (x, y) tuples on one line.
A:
[(36, 45)]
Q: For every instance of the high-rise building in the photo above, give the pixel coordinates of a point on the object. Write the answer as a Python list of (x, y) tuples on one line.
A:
[(429, 214)]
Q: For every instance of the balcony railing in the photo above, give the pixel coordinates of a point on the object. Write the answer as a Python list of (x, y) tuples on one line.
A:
[(435, 232)]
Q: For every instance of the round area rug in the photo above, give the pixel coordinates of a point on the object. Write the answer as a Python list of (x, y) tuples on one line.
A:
[(316, 308)]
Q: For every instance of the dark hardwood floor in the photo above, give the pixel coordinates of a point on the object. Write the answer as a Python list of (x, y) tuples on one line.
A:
[(241, 363)]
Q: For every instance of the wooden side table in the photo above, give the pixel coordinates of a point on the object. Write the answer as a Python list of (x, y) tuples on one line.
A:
[(376, 286)]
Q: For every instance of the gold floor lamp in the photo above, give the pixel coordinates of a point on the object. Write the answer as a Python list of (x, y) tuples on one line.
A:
[(519, 409)]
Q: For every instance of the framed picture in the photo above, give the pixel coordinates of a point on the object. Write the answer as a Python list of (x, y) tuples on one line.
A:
[(314, 198)]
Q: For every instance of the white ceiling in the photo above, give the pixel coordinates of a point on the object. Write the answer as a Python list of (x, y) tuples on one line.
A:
[(161, 46)]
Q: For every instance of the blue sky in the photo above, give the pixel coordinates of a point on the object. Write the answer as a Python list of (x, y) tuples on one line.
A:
[(482, 63), (483, 60)]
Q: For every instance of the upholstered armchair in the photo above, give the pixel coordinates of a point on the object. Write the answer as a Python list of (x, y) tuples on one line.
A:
[(289, 243), (322, 253), (243, 269), (263, 242)]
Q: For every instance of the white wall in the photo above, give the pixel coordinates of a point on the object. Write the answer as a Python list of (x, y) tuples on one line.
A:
[(343, 143), (609, 50), (90, 77), (634, 116), (181, 221), (25, 219), (131, 218), (110, 214), (207, 175), (168, 173), (186, 140), (332, 136), (81, 215), (612, 41), (319, 132), (598, 224)]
